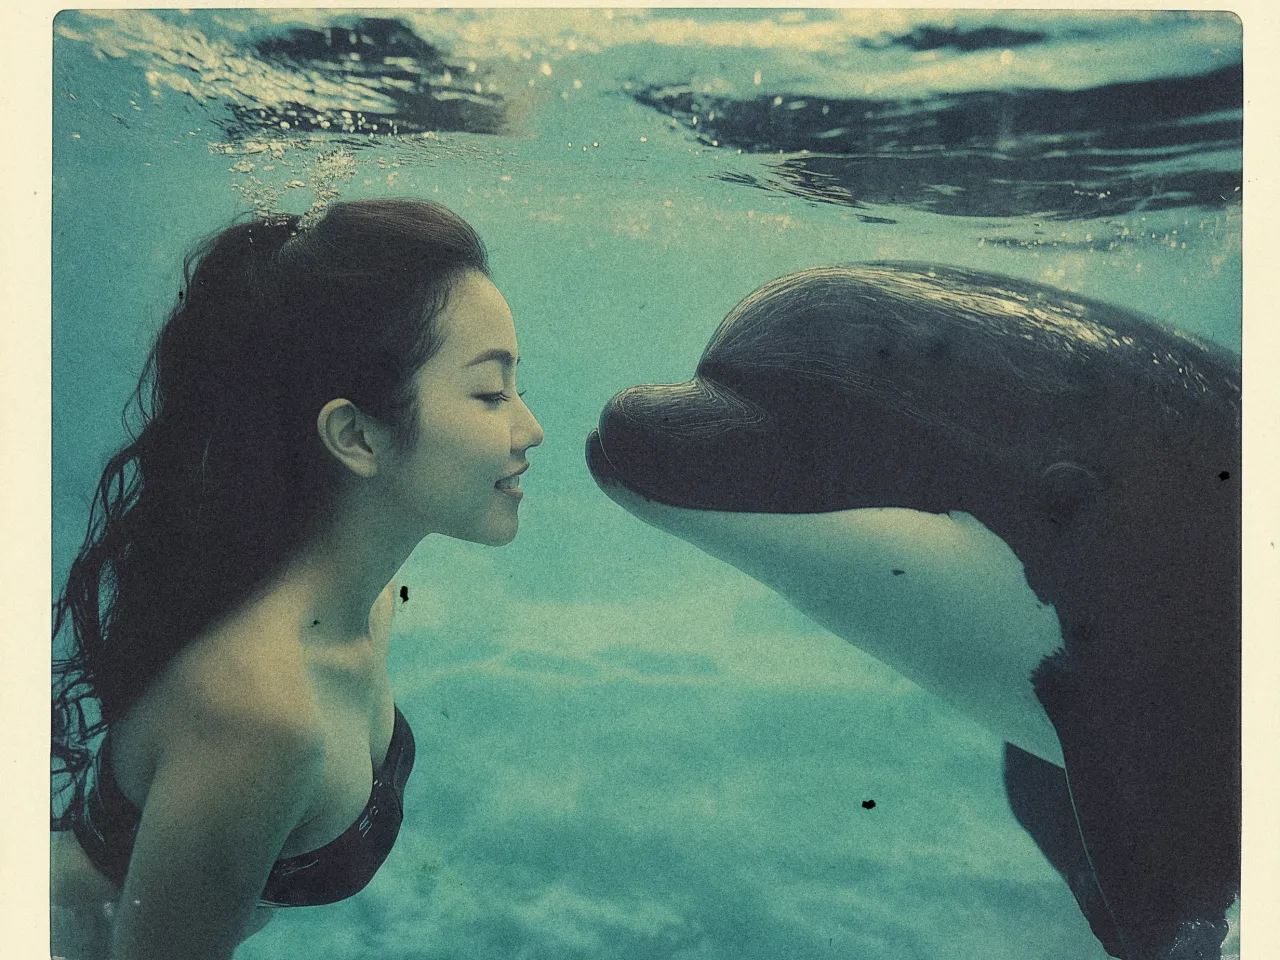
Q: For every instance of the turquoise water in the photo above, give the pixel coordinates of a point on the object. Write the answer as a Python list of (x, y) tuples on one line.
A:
[(627, 748)]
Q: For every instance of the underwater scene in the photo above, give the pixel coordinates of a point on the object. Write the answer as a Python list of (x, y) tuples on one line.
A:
[(627, 748)]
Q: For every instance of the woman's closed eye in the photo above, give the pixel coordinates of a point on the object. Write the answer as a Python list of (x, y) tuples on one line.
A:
[(500, 397)]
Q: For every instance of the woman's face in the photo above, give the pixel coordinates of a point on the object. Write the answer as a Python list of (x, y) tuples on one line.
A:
[(459, 477)]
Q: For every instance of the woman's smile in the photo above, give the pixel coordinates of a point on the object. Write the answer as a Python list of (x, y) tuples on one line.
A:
[(510, 485)]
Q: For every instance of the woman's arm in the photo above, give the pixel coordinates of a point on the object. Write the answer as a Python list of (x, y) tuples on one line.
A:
[(230, 787)]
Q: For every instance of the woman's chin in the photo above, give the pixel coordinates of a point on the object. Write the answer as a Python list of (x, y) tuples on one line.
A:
[(497, 534), (499, 540)]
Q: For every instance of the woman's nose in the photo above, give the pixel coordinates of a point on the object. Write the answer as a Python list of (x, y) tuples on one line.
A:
[(531, 433)]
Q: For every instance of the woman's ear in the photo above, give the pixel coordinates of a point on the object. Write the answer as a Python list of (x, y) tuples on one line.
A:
[(355, 440)]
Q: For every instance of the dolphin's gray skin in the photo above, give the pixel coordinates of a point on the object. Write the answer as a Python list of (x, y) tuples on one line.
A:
[(1029, 503)]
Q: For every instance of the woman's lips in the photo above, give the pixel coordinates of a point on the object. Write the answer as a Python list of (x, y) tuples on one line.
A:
[(511, 485)]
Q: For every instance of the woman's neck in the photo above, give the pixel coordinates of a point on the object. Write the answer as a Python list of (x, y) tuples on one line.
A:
[(336, 578)]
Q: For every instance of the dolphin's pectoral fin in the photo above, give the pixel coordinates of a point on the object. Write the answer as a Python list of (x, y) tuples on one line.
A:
[(1041, 801), (1154, 786), (1065, 489)]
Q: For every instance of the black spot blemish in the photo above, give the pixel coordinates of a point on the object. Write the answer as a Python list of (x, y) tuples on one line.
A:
[(315, 623), (1224, 475), (179, 294), (897, 573), (404, 594), (868, 804)]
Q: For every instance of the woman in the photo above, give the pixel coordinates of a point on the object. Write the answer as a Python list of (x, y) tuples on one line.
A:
[(319, 401)]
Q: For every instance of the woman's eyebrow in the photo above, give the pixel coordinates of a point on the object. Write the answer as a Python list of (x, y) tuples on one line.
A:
[(502, 356)]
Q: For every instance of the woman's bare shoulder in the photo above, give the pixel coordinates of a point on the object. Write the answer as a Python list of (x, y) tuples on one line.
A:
[(251, 663), (243, 679)]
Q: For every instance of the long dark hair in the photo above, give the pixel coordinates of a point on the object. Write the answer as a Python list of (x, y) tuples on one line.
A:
[(225, 475)]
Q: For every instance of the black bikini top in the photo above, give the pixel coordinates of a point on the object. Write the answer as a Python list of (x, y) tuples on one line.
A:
[(106, 824)]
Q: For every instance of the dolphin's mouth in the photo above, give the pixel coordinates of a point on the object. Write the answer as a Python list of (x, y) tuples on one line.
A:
[(628, 492), (609, 479)]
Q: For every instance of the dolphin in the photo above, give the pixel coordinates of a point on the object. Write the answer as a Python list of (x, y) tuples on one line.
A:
[(1026, 501)]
